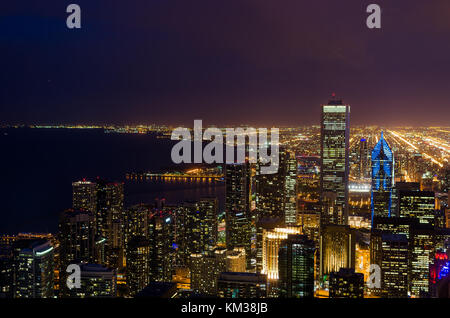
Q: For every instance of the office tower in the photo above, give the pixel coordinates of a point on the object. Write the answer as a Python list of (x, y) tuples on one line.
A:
[(422, 247), (6, 272), (272, 238), (236, 260), (364, 159), (237, 207), (162, 245), (242, 285), (84, 196), (33, 269), (296, 267), (276, 193), (334, 162), (77, 240), (390, 252), (136, 222), (337, 249), (76, 236), (346, 284), (417, 204), (196, 225), (96, 281), (109, 207), (382, 178), (138, 264), (205, 269)]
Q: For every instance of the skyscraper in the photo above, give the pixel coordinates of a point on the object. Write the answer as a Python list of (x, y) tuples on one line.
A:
[(109, 207), (77, 240), (335, 131), (237, 207), (196, 223), (138, 264), (33, 269), (84, 196), (337, 249), (296, 267), (382, 178), (390, 252), (276, 193)]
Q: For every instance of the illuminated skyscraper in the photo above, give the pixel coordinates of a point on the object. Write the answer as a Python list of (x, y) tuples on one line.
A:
[(335, 131), (109, 207), (276, 193), (337, 249), (296, 267), (382, 178), (237, 207), (77, 240), (205, 269), (84, 196), (138, 264), (390, 252), (271, 242), (33, 269), (162, 245), (421, 248), (196, 226)]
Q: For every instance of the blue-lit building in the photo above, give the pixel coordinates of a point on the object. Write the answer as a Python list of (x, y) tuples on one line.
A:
[(382, 179)]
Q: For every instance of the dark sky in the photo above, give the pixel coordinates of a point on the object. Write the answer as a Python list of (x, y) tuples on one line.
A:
[(227, 62)]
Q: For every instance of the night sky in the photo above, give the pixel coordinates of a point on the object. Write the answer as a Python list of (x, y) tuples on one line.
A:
[(226, 62)]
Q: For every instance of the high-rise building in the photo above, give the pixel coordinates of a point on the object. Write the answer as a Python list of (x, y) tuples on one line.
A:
[(196, 223), (346, 284), (162, 245), (337, 249), (84, 196), (335, 132), (276, 193), (96, 281), (390, 252), (417, 204), (421, 249), (205, 269), (33, 269), (382, 178), (242, 285), (109, 207), (296, 267), (272, 239), (138, 264), (77, 240), (237, 207)]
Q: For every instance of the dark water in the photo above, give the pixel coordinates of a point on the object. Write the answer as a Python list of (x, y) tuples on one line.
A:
[(38, 167)]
